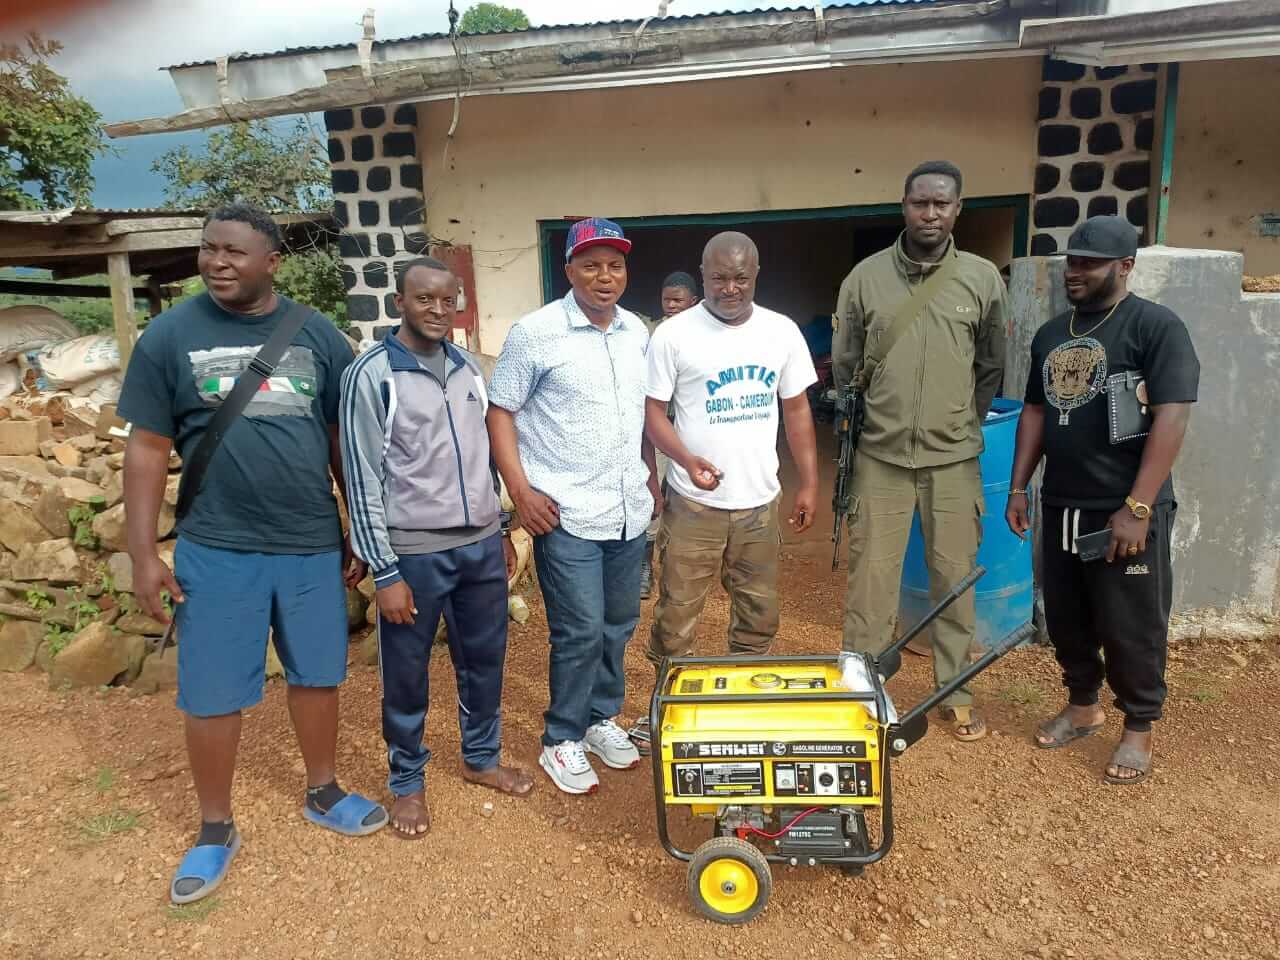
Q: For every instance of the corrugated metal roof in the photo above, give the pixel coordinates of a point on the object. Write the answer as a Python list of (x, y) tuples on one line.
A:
[(423, 37)]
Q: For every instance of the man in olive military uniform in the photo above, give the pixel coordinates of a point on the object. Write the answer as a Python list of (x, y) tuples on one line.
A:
[(926, 396)]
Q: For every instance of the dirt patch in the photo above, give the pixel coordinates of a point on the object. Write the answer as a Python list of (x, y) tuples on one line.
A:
[(1002, 850)]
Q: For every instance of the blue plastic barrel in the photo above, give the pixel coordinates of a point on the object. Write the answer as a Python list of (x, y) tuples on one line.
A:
[(1005, 593)]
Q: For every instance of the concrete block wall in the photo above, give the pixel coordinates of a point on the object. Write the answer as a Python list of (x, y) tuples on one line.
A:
[(379, 204), (1227, 479), (1094, 146)]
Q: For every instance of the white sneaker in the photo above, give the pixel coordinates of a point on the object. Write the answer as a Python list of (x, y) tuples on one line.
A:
[(610, 743), (567, 765)]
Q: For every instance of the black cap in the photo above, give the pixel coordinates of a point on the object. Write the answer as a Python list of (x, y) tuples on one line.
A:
[(1103, 238)]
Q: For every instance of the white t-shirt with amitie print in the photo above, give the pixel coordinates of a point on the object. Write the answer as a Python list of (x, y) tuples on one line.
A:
[(726, 382)]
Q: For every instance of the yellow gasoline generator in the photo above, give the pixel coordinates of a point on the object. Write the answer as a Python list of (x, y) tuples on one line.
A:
[(786, 755)]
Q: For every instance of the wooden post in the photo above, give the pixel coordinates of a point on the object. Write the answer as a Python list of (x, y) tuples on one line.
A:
[(155, 298), (122, 305)]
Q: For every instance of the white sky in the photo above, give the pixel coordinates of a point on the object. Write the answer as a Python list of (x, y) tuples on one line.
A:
[(113, 52)]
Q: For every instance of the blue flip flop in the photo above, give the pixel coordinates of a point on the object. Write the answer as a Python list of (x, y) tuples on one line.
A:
[(347, 816), (208, 864)]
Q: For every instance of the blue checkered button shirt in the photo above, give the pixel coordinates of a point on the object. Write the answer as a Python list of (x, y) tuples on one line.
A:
[(578, 397)]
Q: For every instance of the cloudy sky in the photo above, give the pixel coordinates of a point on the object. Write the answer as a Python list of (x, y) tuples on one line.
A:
[(114, 52)]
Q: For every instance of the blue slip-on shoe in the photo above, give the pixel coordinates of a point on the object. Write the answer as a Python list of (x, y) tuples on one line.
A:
[(348, 816), (204, 865)]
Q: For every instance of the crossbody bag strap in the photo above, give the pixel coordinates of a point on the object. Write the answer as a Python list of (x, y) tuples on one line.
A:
[(906, 315), (250, 381)]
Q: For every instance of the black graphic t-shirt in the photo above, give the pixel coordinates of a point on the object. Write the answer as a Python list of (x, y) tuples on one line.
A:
[(267, 489), (1068, 373)]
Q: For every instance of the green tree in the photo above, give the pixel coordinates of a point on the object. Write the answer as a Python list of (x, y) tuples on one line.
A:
[(278, 169), (492, 18), (48, 136)]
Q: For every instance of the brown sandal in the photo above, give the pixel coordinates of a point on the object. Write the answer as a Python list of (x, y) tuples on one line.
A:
[(965, 717), (512, 781), (415, 800)]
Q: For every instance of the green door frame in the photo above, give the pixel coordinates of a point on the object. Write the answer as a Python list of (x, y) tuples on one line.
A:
[(1020, 204)]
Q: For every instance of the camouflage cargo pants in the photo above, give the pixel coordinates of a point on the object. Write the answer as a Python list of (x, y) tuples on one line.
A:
[(884, 499), (698, 542)]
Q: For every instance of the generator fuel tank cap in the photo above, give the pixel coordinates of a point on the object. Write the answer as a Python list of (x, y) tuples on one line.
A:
[(766, 681)]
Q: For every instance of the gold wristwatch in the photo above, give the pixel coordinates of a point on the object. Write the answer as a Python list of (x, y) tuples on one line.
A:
[(1140, 511)]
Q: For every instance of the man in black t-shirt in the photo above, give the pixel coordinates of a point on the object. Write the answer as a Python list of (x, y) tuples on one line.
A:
[(1109, 616), (261, 547)]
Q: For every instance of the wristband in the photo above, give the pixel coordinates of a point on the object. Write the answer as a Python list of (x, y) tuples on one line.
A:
[(505, 519), (1017, 491)]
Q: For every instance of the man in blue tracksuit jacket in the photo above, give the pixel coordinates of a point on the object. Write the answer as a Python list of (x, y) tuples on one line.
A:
[(425, 517)]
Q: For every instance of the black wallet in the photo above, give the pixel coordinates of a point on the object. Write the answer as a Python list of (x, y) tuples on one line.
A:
[(1128, 409), (1093, 546)]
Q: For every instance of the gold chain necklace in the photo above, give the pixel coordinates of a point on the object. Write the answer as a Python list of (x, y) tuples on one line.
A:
[(1071, 324)]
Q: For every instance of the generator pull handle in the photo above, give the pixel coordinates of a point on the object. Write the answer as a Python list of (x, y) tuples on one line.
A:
[(889, 660), (913, 716)]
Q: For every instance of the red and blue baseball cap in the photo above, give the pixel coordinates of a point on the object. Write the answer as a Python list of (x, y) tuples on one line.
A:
[(592, 231)]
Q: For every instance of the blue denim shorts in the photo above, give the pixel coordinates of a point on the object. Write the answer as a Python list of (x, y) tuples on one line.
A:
[(232, 598)]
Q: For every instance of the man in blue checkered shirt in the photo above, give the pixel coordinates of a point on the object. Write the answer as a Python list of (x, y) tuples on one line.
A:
[(566, 426)]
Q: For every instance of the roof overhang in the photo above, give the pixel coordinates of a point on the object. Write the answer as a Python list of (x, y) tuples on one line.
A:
[(677, 49), (1225, 29), (585, 57)]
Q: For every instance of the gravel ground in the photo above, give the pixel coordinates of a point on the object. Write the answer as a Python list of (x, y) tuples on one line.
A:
[(1002, 850)]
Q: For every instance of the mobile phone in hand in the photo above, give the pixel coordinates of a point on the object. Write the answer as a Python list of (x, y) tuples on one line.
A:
[(1093, 546)]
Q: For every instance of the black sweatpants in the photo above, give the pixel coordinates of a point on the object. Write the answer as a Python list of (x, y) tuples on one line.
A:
[(1110, 619)]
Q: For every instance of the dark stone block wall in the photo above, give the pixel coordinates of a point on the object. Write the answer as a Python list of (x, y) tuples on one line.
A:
[(378, 201), (1095, 137)]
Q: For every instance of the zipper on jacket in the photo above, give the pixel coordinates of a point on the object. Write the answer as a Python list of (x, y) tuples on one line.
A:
[(915, 413), (457, 447)]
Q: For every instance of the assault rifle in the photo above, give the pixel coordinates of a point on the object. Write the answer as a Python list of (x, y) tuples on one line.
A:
[(850, 410)]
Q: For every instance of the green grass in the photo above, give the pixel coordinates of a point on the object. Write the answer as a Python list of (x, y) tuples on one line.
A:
[(104, 826), (1200, 688), (105, 780), (1023, 693), (192, 912)]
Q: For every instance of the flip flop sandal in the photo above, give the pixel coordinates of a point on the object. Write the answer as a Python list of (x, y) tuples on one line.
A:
[(965, 717), (348, 816), (1061, 731), (1127, 755), (206, 864)]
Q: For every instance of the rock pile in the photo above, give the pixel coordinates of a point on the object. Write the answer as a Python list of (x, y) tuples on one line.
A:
[(66, 581)]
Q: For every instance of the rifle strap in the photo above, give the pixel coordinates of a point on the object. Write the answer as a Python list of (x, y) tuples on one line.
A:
[(250, 381), (912, 308)]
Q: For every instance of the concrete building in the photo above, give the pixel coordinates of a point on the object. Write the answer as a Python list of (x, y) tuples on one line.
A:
[(796, 125)]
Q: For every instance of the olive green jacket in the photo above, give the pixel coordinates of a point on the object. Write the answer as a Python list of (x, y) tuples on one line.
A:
[(927, 399)]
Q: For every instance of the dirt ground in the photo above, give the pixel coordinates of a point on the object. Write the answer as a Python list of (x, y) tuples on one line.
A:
[(1002, 850)]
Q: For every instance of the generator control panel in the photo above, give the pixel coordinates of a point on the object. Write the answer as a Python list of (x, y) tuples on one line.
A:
[(783, 734)]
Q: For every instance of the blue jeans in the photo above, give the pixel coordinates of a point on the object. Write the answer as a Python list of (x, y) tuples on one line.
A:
[(591, 589), (469, 586)]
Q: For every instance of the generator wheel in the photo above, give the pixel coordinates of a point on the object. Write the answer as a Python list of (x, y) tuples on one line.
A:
[(729, 880)]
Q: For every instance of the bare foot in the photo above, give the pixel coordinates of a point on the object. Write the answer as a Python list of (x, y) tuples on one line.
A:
[(509, 780), (410, 817), (1080, 718), (1118, 770)]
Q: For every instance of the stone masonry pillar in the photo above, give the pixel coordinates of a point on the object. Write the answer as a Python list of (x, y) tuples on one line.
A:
[(379, 205), (1094, 148)]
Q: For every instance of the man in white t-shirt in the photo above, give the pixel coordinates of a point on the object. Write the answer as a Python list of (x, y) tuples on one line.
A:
[(725, 364)]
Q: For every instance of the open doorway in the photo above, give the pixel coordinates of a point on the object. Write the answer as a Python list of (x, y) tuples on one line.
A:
[(804, 254)]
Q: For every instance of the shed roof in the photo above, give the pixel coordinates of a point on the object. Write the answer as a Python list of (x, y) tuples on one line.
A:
[(162, 244)]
